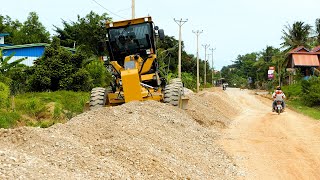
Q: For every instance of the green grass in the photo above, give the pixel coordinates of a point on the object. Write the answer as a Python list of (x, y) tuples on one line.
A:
[(43, 109), (298, 106), (67, 101), (8, 119)]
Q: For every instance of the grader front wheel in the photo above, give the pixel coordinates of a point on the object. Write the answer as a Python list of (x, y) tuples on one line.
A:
[(97, 98), (173, 92)]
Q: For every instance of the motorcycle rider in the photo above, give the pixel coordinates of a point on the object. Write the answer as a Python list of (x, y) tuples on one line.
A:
[(224, 86), (278, 95)]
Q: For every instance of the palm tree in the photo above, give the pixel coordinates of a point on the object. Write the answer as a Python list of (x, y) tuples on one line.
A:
[(296, 35), (317, 31)]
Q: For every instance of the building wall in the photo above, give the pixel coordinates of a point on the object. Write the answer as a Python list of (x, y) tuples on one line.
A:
[(36, 51), (28, 61), (30, 53)]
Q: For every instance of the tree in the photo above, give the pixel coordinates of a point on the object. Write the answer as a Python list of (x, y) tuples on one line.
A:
[(317, 31), (9, 26), (32, 31), (296, 35), (88, 33)]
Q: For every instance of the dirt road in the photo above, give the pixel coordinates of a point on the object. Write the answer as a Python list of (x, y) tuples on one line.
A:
[(270, 146)]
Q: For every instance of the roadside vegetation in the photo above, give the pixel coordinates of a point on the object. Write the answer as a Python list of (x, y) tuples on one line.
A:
[(304, 97)]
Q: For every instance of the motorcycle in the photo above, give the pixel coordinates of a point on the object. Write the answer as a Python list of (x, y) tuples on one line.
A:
[(224, 87), (278, 107)]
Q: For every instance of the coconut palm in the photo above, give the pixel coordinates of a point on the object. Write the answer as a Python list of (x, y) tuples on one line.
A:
[(317, 31), (296, 35)]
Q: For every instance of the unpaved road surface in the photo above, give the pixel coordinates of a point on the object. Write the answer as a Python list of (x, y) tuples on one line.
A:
[(270, 146)]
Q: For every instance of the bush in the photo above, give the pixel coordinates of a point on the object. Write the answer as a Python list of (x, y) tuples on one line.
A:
[(98, 72), (311, 91), (292, 91), (19, 76), (39, 80), (4, 95), (189, 80), (81, 81)]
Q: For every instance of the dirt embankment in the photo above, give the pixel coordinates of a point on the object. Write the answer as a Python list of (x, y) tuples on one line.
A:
[(138, 140)]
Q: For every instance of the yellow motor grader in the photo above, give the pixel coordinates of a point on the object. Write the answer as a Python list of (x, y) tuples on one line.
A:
[(134, 67)]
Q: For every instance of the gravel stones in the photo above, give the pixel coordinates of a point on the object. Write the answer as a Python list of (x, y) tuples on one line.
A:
[(137, 140)]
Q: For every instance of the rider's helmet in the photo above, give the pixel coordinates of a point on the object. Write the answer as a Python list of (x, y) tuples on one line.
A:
[(278, 88)]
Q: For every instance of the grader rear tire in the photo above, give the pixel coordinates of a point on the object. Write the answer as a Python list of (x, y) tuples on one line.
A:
[(98, 98), (173, 93)]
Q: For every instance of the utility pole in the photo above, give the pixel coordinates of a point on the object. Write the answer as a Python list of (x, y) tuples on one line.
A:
[(197, 34), (133, 9), (205, 63), (208, 58), (212, 63), (279, 72), (180, 23)]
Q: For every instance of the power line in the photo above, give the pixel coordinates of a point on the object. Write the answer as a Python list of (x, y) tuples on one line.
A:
[(108, 9)]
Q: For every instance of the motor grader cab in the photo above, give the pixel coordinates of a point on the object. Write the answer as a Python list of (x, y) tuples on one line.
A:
[(134, 66)]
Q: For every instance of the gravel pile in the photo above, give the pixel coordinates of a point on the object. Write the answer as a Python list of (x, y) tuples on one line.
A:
[(212, 107), (138, 140)]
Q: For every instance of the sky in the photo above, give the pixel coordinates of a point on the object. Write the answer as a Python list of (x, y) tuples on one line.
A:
[(232, 27)]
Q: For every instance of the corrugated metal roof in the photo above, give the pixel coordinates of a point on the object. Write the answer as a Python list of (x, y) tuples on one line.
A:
[(299, 49), (26, 46), (34, 45), (305, 60), (316, 49), (4, 34)]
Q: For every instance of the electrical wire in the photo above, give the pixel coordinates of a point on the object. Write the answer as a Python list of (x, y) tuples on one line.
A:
[(107, 9)]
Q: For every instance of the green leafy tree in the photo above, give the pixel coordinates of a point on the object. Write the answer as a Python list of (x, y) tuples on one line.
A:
[(88, 33), (296, 35), (7, 25), (32, 31), (317, 31)]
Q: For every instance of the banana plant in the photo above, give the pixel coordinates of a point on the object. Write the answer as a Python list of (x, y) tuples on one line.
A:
[(5, 65)]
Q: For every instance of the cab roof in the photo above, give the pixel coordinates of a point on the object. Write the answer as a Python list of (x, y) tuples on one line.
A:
[(129, 22)]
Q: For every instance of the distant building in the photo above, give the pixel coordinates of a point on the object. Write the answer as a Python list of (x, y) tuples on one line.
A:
[(29, 51), (2, 35), (304, 60)]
